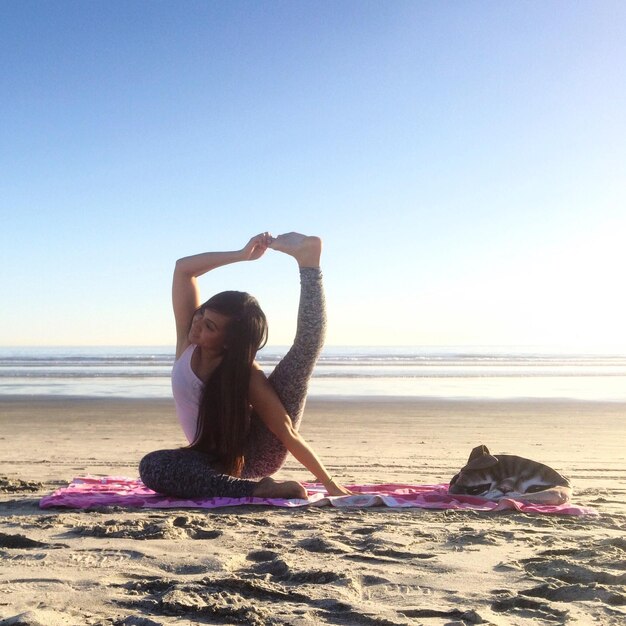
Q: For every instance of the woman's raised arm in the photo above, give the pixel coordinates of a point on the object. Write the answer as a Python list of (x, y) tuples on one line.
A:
[(185, 292)]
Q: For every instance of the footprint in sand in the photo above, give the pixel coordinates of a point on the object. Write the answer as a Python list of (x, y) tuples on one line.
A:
[(229, 600), (282, 571), (187, 569), (464, 540), (377, 546), (15, 485), (365, 530), (571, 572), (143, 529), (258, 556), (464, 617), (238, 600), (528, 608), (19, 541), (576, 593), (105, 557), (134, 620), (38, 617), (323, 545), (592, 572), (371, 579)]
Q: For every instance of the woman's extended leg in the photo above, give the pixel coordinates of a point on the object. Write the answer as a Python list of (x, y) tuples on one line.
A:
[(265, 454), (291, 376)]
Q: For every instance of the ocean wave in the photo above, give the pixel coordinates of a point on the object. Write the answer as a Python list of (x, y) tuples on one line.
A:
[(145, 372)]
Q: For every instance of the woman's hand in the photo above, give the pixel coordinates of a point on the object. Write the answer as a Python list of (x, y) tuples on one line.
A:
[(334, 489), (185, 291), (256, 247)]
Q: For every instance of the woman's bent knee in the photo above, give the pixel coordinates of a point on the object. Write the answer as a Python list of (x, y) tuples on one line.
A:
[(151, 467)]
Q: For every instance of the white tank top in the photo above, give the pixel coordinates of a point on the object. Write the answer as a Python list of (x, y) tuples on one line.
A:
[(187, 390)]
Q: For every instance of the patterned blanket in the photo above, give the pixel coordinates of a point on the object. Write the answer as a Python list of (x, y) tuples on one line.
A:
[(89, 492)]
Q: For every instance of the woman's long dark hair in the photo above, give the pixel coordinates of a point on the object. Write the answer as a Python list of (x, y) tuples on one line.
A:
[(224, 412)]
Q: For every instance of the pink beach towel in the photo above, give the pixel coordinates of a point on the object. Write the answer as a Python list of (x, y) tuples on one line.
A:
[(89, 492)]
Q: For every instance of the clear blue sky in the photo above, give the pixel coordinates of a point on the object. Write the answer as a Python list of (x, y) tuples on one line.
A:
[(463, 162)]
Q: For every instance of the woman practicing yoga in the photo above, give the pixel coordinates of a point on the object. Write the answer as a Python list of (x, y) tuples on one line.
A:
[(240, 424)]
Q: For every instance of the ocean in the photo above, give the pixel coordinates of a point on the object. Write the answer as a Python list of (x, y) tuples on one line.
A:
[(427, 372)]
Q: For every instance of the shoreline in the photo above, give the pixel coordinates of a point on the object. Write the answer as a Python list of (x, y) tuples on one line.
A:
[(317, 399)]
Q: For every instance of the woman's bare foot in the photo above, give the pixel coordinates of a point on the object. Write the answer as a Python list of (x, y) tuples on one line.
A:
[(288, 489), (306, 250)]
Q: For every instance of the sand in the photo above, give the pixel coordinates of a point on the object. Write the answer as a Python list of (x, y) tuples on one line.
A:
[(301, 567)]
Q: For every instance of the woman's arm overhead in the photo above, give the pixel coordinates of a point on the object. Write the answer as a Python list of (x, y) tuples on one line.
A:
[(185, 292), (270, 409)]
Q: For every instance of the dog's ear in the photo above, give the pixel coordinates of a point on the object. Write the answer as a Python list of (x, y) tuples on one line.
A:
[(480, 458)]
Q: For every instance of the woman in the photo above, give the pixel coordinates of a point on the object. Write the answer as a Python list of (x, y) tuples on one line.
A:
[(239, 423)]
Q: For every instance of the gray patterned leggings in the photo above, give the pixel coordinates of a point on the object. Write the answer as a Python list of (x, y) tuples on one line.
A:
[(185, 473)]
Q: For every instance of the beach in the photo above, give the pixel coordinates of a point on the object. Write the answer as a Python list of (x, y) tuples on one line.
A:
[(263, 565), (410, 212)]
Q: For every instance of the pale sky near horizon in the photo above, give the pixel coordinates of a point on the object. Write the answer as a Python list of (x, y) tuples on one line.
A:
[(463, 162)]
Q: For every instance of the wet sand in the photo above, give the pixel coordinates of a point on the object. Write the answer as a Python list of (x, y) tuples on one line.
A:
[(255, 565)]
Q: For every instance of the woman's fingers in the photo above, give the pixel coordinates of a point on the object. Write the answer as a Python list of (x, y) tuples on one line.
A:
[(338, 490), (258, 245), (265, 238)]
